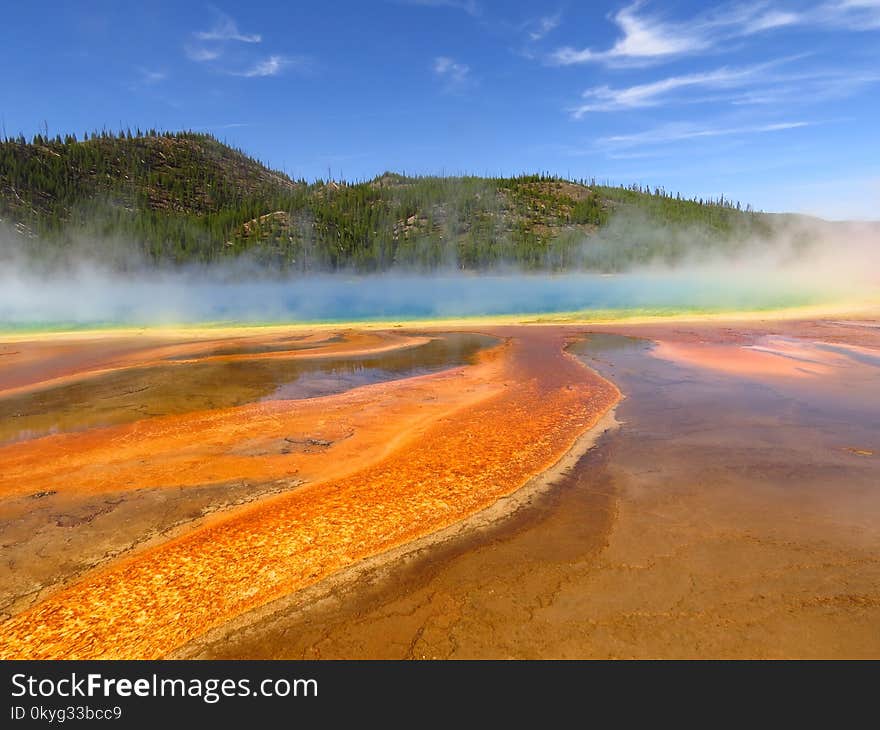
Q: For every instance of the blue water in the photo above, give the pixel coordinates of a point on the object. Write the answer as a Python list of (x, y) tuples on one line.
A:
[(181, 298)]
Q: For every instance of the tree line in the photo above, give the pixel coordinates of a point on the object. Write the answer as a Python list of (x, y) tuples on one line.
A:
[(181, 197)]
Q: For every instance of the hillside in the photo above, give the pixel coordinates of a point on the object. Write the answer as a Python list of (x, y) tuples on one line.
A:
[(184, 197)]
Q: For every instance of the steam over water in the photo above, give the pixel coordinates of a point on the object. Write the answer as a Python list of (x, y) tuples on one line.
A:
[(841, 266), (93, 298)]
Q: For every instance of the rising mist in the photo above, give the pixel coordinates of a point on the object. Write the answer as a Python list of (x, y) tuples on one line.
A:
[(805, 261)]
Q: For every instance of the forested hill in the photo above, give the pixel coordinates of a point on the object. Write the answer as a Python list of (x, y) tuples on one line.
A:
[(184, 197)]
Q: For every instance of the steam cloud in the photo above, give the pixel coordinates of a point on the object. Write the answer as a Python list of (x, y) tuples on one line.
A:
[(806, 262)]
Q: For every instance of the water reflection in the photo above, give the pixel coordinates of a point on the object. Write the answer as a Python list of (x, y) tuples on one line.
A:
[(128, 395)]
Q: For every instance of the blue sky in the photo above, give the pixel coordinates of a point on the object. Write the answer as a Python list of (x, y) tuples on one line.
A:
[(773, 103)]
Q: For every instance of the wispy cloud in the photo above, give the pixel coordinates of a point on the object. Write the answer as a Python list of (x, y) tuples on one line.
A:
[(806, 87), (857, 15), (471, 7), (201, 54), (271, 66), (147, 82), (453, 73), (643, 38), (215, 44), (542, 27), (680, 132), (227, 125), (226, 29), (770, 20), (607, 99), (151, 76), (754, 85), (646, 38)]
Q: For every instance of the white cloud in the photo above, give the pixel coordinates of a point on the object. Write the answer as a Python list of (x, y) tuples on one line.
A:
[(271, 66), (201, 54), (214, 44), (642, 38), (806, 87), (740, 86), (228, 125), (149, 76), (771, 19), (226, 29), (649, 38), (854, 15), (606, 99), (543, 26), (669, 133), (471, 7), (454, 73)]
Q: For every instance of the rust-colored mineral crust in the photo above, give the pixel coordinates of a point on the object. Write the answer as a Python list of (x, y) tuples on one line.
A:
[(424, 453)]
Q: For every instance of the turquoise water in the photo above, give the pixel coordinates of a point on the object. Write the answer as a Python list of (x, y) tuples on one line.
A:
[(181, 298)]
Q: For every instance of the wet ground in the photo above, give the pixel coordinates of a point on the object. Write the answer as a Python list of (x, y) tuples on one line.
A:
[(219, 377), (385, 465), (301, 495), (730, 515), (52, 532)]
